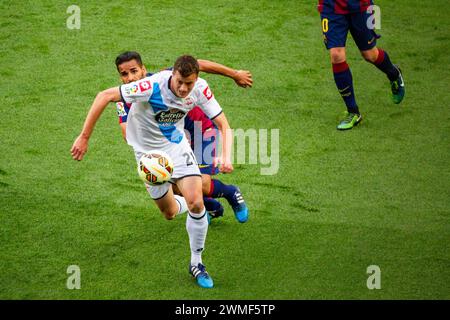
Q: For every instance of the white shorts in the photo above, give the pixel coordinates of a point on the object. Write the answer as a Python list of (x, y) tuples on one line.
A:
[(157, 192), (184, 165)]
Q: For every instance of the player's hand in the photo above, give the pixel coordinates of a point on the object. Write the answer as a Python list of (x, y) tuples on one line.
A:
[(225, 166), (243, 78), (79, 148)]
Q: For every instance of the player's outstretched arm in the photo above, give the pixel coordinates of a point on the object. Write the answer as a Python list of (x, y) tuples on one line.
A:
[(226, 133), (243, 78), (79, 147)]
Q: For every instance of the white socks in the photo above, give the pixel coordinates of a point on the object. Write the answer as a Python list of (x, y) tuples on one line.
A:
[(197, 227), (182, 205)]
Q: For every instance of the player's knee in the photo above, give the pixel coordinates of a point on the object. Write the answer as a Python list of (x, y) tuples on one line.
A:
[(206, 188), (368, 58), (206, 184), (196, 205), (337, 55), (169, 214), (170, 217), (370, 55)]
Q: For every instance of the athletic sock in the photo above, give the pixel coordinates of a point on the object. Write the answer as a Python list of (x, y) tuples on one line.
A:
[(384, 64), (211, 205), (197, 228), (182, 205), (344, 83), (222, 190)]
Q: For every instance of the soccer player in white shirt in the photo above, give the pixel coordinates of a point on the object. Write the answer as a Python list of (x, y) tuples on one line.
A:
[(160, 103), (131, 69)]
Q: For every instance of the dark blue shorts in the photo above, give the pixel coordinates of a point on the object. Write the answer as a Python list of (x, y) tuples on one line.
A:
[(335, 28), (208, 150), (208, 169)]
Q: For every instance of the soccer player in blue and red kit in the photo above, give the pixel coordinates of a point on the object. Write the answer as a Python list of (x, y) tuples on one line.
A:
[(338, 18), (201, 133)]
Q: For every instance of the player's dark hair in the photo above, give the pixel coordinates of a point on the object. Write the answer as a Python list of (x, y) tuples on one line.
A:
[(186, 65), (128, 56)]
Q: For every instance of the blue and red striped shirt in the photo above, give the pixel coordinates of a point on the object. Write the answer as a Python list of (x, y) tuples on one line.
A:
[(343, 6), (197, 118)]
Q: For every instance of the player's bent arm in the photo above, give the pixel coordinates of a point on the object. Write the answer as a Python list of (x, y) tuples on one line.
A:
[(227, 140), (79, 147), (243, 78)]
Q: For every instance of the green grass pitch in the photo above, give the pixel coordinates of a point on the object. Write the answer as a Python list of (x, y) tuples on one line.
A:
[(341, 201)]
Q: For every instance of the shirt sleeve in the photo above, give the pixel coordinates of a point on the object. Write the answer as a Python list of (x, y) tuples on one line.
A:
[(206, 100), (139, 91)]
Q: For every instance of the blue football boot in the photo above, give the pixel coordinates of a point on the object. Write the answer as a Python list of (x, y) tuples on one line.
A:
[(240, 208), (201, 275)]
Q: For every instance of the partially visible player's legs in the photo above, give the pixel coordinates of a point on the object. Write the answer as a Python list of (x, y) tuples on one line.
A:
[(366, 39), (234, 197), (208, 145), (169, 204), (335, 29), (381, 60), (196, 226), (214, 207), (213, 188), (206, 183), (344, 83)]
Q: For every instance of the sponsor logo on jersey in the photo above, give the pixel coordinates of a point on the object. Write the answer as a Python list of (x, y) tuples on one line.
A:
[(145, 85), (188, 102), (169, 117), (121, 109), (134, 89), (207, 92)]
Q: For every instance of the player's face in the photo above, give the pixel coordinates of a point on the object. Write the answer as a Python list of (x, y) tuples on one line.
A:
[(131, 71), (182, 86)]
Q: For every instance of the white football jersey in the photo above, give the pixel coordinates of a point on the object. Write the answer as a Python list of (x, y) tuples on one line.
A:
[(156, 119)]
